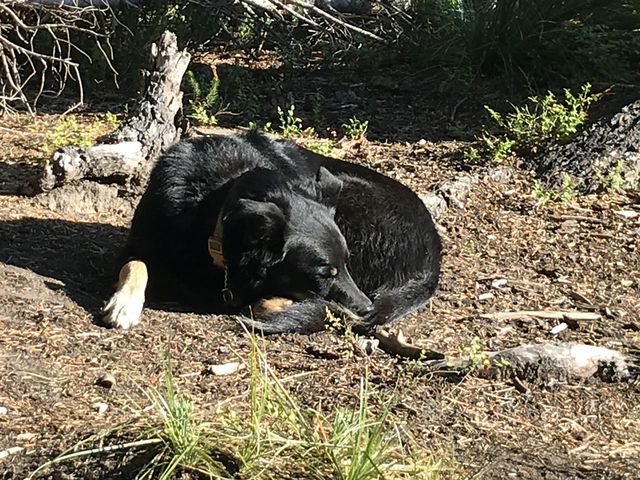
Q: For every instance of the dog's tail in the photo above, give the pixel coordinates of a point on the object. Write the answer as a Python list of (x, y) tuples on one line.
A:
[(390, 304)]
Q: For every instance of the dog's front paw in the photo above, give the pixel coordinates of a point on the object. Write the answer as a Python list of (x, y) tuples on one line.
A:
[(123, 310)]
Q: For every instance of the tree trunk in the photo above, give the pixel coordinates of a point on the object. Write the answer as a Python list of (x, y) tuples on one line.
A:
[(125, 156)]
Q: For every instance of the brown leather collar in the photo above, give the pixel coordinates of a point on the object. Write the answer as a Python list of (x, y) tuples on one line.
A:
[(215, 244)]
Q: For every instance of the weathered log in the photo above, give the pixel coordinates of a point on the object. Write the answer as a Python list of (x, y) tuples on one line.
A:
[(604, 156), (545, 363), (130, 151)]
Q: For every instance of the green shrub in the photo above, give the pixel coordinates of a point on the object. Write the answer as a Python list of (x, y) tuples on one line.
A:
[(205, 103), (533, 125), (69, 131), (355, 128), (545, 119)]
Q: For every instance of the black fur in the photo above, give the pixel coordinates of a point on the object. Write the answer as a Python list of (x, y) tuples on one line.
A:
[(290, 216)]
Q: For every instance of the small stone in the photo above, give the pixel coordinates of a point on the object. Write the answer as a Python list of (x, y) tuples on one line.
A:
[(25, 437), (225, 368), (106, 380), (499, 283), (434, 203), (559, 328), (3, 410), (101, 407), (10, 451), (486, 296), (626, 283), (627, 213)]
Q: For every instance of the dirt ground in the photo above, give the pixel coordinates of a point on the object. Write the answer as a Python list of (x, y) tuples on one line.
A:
[(56, 270)]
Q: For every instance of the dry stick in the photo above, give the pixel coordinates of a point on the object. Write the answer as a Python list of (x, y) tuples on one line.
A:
[(292, 12), (579, 218), (552, 315), (342, 23), (396, 344)]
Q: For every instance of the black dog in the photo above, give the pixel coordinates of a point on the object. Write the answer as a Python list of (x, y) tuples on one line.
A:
[(232, 222)]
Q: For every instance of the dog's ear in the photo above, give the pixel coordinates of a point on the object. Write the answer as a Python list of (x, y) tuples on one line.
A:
[(328, 187), (265, 219)]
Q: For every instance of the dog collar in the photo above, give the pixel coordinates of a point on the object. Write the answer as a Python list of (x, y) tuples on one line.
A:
[(215, 244)]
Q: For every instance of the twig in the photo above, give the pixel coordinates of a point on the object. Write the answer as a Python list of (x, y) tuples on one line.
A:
[(396, 344), (546, 314), (579, 218), (336, 20)]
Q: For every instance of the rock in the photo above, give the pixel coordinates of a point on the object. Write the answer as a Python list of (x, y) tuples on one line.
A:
[(3, 410), (224, 368), (456, 191), (101, 407), (10, 451), (501, 174), (434, 203), (561, 327)]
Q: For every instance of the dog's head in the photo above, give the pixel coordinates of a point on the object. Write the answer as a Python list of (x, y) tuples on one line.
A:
[(290, 246)]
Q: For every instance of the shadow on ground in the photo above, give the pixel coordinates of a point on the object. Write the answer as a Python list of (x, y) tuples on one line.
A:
[(82, 256)]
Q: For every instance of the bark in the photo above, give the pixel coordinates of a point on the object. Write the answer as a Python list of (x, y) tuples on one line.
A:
[(603, 157), (127, 155)]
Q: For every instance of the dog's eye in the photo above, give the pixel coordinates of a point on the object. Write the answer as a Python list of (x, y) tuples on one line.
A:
[(333, 271)]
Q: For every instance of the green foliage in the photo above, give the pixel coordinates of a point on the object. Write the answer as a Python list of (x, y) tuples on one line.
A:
[(498, 149), (533, 125), (477, 358), (205, 103), (290, 124), (355, 128), (322, 146), (569, 188), (567, 191), (545, 119), (68, 131), (270, 436)]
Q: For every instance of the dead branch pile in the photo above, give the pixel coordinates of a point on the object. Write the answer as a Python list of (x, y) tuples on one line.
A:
[(37, 47)]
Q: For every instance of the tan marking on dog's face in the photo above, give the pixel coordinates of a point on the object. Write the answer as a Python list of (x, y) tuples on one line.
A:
[(272, 305)]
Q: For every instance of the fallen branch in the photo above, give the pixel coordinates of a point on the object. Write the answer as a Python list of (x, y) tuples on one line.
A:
[(396, 344), (550, 315), (578, 218), (547, 363)]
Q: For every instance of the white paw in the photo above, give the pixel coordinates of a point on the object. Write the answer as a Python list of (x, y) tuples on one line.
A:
[(123, 309)]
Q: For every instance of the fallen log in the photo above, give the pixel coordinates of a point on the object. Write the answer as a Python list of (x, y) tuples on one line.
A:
[(541, 363), (129, 152)]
